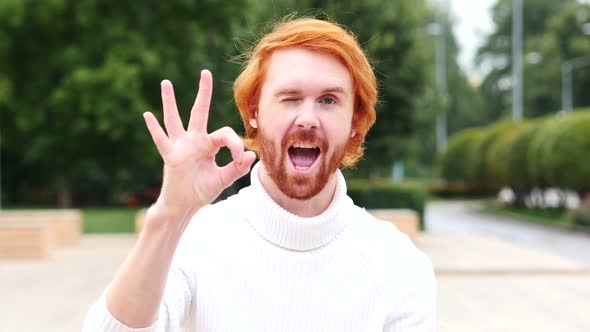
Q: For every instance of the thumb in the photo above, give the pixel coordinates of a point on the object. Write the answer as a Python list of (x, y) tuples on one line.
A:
[(233, 171)]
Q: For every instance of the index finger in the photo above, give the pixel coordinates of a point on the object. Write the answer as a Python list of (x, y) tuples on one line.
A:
[(200, 111)]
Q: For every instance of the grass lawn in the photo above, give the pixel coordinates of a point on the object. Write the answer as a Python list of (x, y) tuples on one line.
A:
[(546, 216), (108, 220)]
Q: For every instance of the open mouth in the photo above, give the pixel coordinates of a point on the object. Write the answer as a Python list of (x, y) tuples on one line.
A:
[(303, 156)]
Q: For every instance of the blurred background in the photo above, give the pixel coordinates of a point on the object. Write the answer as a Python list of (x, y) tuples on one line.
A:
[(77, 75), (483, 129)]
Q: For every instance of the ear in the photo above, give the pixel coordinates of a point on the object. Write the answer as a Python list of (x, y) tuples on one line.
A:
[(354, 124), (253, 121)]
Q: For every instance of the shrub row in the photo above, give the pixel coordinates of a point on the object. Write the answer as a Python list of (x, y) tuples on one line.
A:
[(386, 195), (546, 152)]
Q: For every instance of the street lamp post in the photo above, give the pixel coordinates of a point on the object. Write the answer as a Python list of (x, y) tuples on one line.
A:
[(567, 67), (441, 76), (517, 112)]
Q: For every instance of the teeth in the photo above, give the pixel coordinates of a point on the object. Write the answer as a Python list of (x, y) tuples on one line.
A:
[(303, 145), (301, 168)]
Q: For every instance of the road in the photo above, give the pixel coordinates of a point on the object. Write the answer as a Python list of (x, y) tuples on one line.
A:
[(463, 218), (501, 274)]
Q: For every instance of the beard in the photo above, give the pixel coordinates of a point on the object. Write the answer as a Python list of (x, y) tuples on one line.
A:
[(299, 186)]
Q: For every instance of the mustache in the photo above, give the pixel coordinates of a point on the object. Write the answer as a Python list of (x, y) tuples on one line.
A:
[(306, 136)]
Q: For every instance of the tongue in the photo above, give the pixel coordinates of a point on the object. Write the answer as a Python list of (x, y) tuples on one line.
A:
[(303, 157)]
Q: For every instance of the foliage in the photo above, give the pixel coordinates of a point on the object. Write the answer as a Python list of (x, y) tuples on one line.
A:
[(453, 165), (463, 102), (517, 160), (77, 75), (568, 165), (550, 152), (553, 33), (545, 216), (387, 195), (499, 153), (478, 170), (540, 152)]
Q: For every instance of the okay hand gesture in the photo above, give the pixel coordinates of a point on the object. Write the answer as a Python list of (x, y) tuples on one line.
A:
[(192, 179)]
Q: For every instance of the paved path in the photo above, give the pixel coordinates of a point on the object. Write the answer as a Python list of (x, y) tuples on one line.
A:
[(500, 274), (464, 218), (53, 295), (494, 274)]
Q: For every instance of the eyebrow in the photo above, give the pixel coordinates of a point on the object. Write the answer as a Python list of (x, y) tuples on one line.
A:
[(291, 92)]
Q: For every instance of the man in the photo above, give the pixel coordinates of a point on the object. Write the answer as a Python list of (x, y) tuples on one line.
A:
[(291, 252)]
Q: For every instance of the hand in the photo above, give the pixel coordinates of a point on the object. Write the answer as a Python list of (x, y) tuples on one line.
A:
[(192, 179)]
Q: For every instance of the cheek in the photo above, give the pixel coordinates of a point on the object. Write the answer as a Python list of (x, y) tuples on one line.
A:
[(338, 130)]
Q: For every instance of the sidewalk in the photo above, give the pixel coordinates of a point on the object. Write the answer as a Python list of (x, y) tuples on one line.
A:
[(53, 295), (485, 282), (497, 274)]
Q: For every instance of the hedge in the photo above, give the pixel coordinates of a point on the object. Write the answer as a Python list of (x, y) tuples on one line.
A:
[(387, 195), (498, 155), (518, 176), (482, 170), (568, 165), (548, 152), (453, 163)]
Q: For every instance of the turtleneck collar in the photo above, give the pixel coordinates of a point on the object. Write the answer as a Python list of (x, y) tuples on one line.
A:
[(289, 231)]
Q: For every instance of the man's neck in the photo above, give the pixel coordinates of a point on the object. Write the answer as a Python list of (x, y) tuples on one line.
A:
[(303, 208)]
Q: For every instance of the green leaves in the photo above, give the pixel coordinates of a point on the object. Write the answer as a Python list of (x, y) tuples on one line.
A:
[(553, 33), (77, 75)]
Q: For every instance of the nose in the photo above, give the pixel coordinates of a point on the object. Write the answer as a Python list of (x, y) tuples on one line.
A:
[(307, 116)]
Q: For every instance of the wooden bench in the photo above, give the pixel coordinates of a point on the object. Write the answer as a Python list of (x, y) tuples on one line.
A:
[(407, 221), (31, 239), (34, 233), (65, 223)]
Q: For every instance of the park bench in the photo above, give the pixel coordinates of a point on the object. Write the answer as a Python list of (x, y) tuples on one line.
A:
[(407, 221), (34, 233), (30, 239)]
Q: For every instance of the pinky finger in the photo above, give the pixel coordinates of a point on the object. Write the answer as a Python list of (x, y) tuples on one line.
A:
[(158, 135)]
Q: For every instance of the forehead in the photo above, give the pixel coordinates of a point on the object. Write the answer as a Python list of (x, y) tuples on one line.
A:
[(302, 69)]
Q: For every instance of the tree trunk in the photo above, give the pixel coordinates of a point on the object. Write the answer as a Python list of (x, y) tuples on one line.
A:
[(64, 195)]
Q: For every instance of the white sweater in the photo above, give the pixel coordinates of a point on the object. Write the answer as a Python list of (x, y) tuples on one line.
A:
[(246, 264)]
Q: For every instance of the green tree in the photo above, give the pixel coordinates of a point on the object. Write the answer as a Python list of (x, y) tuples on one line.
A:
[(77, 75), (553, 33), (464, 106)]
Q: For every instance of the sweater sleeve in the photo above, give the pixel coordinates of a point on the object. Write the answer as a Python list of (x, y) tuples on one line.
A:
[(173, 311), (416, 311)]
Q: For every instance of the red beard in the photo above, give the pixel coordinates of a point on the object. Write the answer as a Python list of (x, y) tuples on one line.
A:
[(299, 186)]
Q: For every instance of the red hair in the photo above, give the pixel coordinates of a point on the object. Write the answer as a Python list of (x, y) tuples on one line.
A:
[(319, 36)]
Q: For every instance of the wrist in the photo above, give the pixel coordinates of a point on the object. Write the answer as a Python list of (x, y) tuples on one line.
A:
[(160, 216)]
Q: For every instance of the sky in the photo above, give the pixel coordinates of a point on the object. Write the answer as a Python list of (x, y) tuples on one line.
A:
[(473, 22)]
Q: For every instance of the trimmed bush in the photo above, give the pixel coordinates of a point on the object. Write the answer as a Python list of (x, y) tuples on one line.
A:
[(540, 151), (498, 154), (568, 153), (452, 163), (518, 176), (386, 195), (479, 174)]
